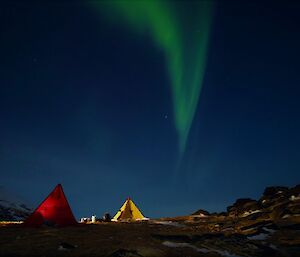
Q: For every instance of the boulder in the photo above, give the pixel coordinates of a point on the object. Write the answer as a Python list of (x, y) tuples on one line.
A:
[(201, 212), (272, 191), (242, 205)]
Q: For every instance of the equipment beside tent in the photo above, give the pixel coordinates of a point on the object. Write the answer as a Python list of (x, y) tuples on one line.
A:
[(53, 211), (129, 212)]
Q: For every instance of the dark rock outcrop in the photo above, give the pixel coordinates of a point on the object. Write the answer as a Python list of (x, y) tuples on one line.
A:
[(271, 191), (241, 206), (201, 212)]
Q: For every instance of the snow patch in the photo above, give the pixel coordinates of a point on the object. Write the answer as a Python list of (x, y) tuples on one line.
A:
[(294, 198), (61, 248), (201, 215), (187, 245), (201, 250), (261, 236), (247, 213), (270, 231), (169, 223), (274, 247)]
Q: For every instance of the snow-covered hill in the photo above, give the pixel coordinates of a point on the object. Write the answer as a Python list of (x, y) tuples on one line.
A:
[(12, 207)]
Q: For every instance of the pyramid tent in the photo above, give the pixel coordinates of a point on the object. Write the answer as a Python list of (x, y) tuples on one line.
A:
[(54, 211), (129, 212)]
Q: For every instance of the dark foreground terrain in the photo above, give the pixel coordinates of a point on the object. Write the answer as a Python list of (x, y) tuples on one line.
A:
[(267, 227)]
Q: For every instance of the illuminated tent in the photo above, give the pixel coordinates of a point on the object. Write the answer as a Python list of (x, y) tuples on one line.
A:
[(53, 211), (129, 212)]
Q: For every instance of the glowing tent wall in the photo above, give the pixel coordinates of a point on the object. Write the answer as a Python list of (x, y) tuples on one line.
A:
[(54, 210)]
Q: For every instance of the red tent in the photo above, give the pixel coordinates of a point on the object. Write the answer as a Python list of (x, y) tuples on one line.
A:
[(54, 211)]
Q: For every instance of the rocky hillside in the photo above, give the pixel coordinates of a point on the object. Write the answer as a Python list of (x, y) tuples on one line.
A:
[(275, 203), (11, 207), (269, 226)]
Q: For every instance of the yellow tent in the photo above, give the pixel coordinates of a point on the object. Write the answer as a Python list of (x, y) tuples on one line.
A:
[(129, 212)]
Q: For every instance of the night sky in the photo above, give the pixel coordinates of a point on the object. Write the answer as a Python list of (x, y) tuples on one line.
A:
[(180, 105)]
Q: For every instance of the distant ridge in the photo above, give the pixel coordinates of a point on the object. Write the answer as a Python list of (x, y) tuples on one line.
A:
[(12, 207)]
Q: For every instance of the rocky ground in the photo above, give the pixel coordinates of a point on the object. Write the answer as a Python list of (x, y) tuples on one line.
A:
[(267, 227)]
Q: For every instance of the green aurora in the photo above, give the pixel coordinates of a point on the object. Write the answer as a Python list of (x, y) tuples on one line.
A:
[(181, 30)]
